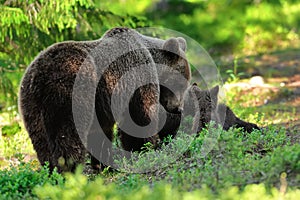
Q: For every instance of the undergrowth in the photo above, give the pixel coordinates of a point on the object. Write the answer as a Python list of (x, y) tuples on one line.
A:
[(215, 164)]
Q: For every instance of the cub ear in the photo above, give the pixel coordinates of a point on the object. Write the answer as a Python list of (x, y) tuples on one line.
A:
[(172, 45), (214, 94), (214, 91), (194, 87), (182, 43)]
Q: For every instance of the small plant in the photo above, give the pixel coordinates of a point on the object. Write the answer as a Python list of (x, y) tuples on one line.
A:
[(9, 130), (152, 160), (78, 187), (18, 182), (14, 141), (234, 75)]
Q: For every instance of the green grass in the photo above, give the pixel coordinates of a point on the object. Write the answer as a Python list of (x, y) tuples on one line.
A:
[(216, 164), (15, 143), (236, 165), (19, 182)]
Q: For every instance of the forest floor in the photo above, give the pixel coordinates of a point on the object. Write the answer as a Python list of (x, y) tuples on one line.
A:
[(276, 83)]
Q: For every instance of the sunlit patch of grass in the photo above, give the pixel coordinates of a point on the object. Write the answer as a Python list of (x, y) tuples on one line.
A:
[(244, 94), (278, 113), (263, 105), (15, 144)]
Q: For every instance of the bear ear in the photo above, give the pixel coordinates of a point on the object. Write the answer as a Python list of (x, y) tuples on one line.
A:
[(214, 91), (172, 45), (194, 84), (214, 94), (182, 43)]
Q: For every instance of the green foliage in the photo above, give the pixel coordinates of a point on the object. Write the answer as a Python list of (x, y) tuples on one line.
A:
[(8, 97), (77, 186), (234, 75), (234, 158), (215, 164), (18, 182), (220, 159), (28, 27), (14, 141), (242, 27), (150, 160), (284, 159), (9, 130), (263, 29), (128, 6)]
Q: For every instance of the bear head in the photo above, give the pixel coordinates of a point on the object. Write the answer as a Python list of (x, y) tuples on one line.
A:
[(173, 70)]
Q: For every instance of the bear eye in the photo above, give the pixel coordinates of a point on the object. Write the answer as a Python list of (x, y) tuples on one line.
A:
[(207, 98)]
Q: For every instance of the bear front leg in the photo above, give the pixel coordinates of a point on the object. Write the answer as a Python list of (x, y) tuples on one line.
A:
[(171, 125), (132, 143), (143, 110)]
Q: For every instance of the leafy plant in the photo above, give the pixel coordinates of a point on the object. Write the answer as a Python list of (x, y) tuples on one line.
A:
[(78, 187), (234, 75), (19, 182), (10, 130)]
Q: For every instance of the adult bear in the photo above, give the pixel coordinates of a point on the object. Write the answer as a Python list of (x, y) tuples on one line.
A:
[(67, 93)]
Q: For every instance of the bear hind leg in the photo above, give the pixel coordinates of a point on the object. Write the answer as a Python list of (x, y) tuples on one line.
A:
[(100, 143)]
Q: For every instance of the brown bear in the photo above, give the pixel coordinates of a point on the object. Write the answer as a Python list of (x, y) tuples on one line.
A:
[(73, 93), (203, 105), (173, 111)]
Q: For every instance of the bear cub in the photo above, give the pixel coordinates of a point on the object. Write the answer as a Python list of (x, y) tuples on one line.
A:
[(208, 109)]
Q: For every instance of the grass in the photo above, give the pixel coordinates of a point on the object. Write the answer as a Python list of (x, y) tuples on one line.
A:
[(15, 144), (216, 164), (233, 167)]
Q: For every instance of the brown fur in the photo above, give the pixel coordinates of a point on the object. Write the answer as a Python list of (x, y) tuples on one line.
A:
[(205, 102), (229, 119), (45, 99)]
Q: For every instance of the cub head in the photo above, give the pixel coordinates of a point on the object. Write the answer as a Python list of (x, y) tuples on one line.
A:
[(206, 101)]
